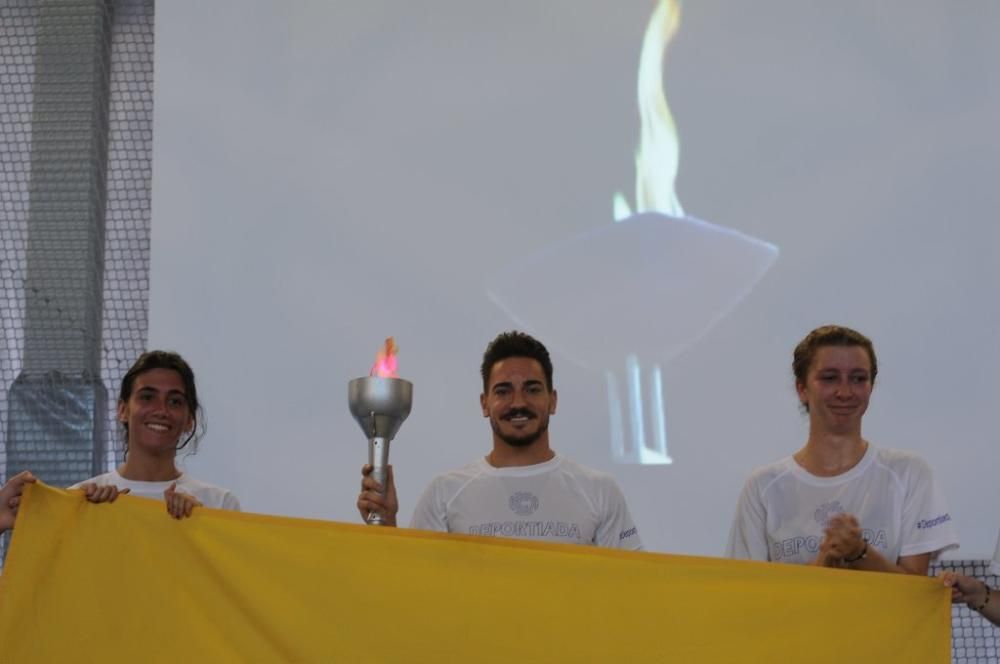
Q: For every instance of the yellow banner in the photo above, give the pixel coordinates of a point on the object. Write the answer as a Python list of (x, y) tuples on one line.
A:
[(125, 582)]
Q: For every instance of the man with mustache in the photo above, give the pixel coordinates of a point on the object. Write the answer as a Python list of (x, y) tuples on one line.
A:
[(522, 488)]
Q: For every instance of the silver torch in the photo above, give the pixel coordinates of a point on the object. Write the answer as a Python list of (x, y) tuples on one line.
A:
[(380, 403)]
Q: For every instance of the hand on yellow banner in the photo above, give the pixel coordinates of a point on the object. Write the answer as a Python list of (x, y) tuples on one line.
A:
[(101, 494), (180, 504), (370, 500), (964, 588), (975, 593), (10, 498)]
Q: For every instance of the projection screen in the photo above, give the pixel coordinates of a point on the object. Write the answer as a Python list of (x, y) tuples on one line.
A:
[(328, 174)]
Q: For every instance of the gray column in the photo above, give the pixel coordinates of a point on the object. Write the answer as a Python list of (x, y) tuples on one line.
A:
[(57, 406)]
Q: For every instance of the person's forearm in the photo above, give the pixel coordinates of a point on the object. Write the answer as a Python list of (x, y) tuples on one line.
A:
[(873, 561), (987, 603), (870, 559)]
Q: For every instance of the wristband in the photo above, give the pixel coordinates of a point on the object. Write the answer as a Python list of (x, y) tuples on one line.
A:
[(860, 556), (985, 601)]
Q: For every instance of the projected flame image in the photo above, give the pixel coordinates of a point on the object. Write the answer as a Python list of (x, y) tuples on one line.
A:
[(689, 274)]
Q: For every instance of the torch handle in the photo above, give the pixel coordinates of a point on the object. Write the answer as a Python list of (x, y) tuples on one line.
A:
[(378, 458)]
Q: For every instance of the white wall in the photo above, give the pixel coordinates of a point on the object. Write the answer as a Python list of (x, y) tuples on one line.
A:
[(328, 174)]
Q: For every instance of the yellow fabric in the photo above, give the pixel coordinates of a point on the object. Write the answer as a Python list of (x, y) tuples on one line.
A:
[(125, 582)]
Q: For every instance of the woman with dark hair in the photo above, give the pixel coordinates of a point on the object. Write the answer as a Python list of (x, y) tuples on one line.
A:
[(840, 501), (158, 408)]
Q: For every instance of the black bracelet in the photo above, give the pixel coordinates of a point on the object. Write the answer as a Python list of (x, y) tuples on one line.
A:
[(985, 601), (860, 556)]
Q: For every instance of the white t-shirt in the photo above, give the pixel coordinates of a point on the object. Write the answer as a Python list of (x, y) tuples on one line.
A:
[(554, 501), (783, 509), (207, 494)]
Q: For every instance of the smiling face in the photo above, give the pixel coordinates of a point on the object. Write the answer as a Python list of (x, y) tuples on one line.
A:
[(837, 388), (156, 413), (518, 402)]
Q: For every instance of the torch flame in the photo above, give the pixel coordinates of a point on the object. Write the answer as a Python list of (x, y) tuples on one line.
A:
[(658, 154), (385, 361)]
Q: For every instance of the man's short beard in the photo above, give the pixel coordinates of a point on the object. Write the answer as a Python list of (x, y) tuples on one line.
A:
[(520, 441)]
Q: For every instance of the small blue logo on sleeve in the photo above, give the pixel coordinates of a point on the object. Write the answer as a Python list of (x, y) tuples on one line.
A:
[(924, 524)]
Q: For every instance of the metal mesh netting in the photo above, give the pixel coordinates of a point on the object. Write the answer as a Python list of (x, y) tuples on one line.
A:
[(18, 27), (974, 640), (127, 213), (76, 103)]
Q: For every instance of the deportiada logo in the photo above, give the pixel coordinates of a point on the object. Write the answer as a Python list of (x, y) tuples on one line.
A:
[(524, 503)]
